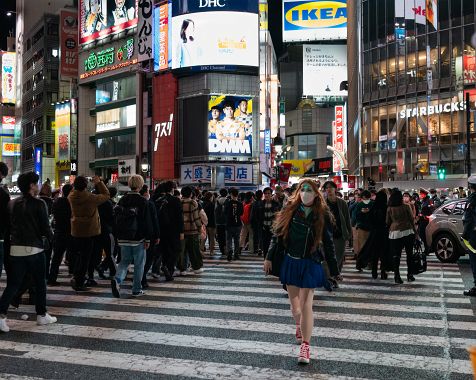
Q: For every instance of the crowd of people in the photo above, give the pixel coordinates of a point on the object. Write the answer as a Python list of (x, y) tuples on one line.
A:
[(167, 232)]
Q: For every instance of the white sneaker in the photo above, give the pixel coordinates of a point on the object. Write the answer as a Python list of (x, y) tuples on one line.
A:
[(46, 319), (198, 271), (3, 325), (183, 273)]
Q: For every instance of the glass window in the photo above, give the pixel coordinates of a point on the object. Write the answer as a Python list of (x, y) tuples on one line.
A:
[(455, 12), (443, 14), (468, 11), (116, 90), (123, 117), (459, 208), (381, 23), (373, 22), (444, 54), (115, 146), (448, 209), (365, 24)]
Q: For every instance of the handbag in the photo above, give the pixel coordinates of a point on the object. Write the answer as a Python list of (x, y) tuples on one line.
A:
[(418, 260), (276, 256)]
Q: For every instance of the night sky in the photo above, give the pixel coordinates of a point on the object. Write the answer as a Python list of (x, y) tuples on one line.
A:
[(6, 23)]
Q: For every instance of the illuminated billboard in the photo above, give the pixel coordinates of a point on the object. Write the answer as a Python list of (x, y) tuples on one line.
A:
[(62, 131), (101, 18), (162, 37), (230, 126), (324, 69), (215, 35), (68, 44), (8, 122), (314, 20), (8, 77)]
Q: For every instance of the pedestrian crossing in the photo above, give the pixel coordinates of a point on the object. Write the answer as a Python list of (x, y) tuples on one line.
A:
[(232, 322)]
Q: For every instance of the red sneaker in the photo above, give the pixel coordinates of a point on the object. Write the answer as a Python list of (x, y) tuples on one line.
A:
[(304, 354), (298, 334)]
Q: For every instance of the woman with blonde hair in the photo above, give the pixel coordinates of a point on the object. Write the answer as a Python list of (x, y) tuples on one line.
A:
[(303, 231)]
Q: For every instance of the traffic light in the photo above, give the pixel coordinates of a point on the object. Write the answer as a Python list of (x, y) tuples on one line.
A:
[(441, 173)]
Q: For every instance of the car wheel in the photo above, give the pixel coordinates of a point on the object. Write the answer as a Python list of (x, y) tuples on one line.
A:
[(446, 248)]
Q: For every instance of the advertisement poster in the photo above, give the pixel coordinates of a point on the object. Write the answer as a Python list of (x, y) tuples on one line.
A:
[(299, 167), (63, 131), (314, 20), (338, 135), (101, 18), (8, 122), (230, 126), (38, 158), (201, 173), (232, 41), (162, 37), (145, 39), (8, 77), (68, 44), (324, 69)]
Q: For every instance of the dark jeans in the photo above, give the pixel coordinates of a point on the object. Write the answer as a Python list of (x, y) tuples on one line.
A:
[(191, 247), (150, 256), (61, 244), (421, 232), (221, 238), (233, 239), (472, 261), (396, 245), (257, 237), (107, 243), (19, 266), (1, 257), (83, 249), (169, 252), (267, 235)]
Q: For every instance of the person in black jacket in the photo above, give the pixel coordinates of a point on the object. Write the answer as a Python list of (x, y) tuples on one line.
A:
[(209, 208), (61, 210), (29, 227), (233, 212), (152, 251), (134, 231), (4, 199), (220, 221), (267, 213), (170, 216), (257, 221)]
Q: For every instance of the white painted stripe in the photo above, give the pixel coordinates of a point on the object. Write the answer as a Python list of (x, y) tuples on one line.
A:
[(155, 365), (337, 295), (9, 376), (262, 301), (258, 311), (256, 347), (262, 327)]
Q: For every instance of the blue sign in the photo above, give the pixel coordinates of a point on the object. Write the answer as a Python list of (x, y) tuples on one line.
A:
[(181, 7), (38, 161), (162, 31), (399, 34), (267, 141)]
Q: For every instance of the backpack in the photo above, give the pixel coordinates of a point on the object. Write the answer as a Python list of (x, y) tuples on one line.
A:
[(126, 222), (163, 211), (246, 217), (220, 216)]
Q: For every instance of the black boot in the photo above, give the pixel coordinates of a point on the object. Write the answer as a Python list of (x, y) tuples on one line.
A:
[(237, 254), (410, 278), (383, 275), (470, 293), (230, 256), (396, 270)]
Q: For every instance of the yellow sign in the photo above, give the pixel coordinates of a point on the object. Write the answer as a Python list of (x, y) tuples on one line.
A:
[(263, 16), (299, 167), (10, 149)]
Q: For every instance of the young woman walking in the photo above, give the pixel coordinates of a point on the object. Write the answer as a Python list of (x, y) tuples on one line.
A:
[(304, 231)]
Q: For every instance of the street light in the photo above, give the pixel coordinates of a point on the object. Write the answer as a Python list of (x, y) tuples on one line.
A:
[(10, 13)]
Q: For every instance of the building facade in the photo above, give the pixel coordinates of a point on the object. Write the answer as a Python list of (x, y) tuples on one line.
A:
[(415, 77)]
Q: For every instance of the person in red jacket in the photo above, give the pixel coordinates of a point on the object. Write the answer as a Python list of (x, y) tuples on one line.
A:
[(247, 229)]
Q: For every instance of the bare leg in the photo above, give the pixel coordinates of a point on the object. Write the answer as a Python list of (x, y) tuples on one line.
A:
[(293, 295), (306, 297)]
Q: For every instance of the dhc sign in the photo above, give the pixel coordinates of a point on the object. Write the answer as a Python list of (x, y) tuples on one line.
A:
[(314, 20)]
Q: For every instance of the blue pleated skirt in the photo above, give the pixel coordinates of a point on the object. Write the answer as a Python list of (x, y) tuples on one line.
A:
[(303, 273)]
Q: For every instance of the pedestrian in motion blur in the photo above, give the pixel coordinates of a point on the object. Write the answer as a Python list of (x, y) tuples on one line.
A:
[(304, 231), (29, 228), (4, 199)]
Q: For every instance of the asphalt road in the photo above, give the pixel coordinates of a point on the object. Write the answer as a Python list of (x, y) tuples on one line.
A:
[(231, 322)]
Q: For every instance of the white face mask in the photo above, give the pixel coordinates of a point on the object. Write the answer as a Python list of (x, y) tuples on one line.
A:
[(307, 197), (351, 198), (366, 201)]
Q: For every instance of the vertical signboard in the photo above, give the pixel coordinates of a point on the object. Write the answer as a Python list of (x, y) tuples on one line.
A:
[(144, 31), (338, 134), (163, 162), (38, 161), (267, 141), (63, 131), (68, 44), (8, 122), (162, 31), (8, 78)]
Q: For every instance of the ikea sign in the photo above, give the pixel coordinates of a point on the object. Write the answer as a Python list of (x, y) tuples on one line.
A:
[(316, 20)]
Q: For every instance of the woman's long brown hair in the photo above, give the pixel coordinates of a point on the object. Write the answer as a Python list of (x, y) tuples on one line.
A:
[(283, 220)]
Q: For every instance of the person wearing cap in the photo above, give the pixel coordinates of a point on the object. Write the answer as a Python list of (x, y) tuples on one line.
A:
[(426, 209), (434, 199), (4, 199), (469, 231)]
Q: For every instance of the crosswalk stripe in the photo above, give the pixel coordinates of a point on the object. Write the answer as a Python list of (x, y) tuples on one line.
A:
[(235, 345), (318, 303), (154, 365)]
